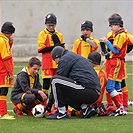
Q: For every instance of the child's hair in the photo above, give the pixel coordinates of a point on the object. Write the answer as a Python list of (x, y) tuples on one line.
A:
[(34, 61), (114, 15), (115, 19)]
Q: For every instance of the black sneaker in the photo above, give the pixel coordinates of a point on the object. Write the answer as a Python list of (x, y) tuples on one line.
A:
[(88, 112), (57, 116)]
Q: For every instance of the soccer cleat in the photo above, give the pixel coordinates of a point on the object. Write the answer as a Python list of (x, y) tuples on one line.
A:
[(7, 117), (118, 112), (88, 112), (57, 116), (28, 112), (18, 112)]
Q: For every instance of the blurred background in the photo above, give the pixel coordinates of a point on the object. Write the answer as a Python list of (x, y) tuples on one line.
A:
[(28, 18)]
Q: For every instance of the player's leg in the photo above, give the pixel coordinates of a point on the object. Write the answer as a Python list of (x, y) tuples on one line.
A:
[(125, 94), (23, 106), (3, 104), (67, 92)]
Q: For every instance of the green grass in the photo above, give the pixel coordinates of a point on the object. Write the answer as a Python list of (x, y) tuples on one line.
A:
[(122, 124), (106, 124)]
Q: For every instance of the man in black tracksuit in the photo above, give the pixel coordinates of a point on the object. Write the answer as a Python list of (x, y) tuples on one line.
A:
[(76, 84)]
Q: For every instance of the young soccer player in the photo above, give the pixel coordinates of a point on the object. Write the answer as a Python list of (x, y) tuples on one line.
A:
[(6, 67), (27, 91), (47, 40), (86, 43), (110, 37), (117, 67)]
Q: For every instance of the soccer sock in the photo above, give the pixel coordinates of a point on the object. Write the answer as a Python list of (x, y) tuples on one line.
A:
[(116, 98), (62, 109), (20, 106), (3, 105), (108, 99), (125, 96)]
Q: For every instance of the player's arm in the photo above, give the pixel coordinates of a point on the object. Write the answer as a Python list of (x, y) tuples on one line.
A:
[(7, 58), (93, 44), (8, 65), (23, 80), (109, 45), (113, 49), (46, 49)]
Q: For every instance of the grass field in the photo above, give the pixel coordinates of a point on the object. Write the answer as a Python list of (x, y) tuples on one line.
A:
[(106, 124)]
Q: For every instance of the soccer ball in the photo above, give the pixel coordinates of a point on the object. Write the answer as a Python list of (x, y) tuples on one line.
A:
[(130, 103), (38, 111)]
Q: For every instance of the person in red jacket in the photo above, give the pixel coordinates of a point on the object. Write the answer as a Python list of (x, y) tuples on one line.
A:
[(6, 67)]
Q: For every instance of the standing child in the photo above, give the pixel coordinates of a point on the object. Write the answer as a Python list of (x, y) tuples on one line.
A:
[(27, 91), (117, 66), (47, 40), (6, 67), (86, 44), (110, 37)]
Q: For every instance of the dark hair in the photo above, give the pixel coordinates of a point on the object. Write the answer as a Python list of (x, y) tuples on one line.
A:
[(114, 15), (115, 19), (34, 61)]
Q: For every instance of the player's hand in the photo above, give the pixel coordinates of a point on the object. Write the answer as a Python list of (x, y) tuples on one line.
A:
[(43, 95), (84, 37), (55, 39), (103, 54), (103, 39)]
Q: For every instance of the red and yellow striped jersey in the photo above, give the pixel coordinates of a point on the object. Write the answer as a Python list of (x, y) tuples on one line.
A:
[(83, 48), (45, 40), (6, 62), (103, 80)]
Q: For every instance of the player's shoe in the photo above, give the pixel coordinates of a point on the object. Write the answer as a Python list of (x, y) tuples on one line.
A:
[(118, 112), (58, 116), (28, 112), (88, 112), (18, 112), (7, 117)]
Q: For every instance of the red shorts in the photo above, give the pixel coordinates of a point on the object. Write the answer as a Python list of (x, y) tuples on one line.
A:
[(5, 81), (48, 73), (107, 64), (117, 70)]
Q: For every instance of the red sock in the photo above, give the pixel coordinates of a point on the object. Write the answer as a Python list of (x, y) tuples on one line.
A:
[(3, 105), (125, 96), (117, 100), (109, 99)]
